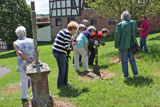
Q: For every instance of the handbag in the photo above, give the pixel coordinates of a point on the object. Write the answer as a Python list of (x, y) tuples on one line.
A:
[(135, 47)]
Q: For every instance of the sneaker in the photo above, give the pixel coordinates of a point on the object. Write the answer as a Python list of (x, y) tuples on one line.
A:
[(136, 75), (124, 76), (68, 84)]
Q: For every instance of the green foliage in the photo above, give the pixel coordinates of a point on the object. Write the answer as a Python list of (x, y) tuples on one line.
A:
[(114, 8), (14, 13), (111, 92)]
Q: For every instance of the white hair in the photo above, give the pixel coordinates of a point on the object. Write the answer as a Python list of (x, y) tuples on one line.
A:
[(81, 26), (125, 15), (91, 28), (85, 21), (20, 31)]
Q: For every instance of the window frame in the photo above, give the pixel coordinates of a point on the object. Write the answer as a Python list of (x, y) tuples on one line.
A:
[(90, 21), (110, 24), (70, 18), (56, 23)]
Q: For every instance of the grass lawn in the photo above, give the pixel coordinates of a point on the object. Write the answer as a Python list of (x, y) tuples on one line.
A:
[(113, 92)]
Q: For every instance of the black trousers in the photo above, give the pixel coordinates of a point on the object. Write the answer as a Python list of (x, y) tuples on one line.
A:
[(92, 54)]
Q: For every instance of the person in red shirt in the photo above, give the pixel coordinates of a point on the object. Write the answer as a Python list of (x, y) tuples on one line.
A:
[(91, 48), (101, 33), (143, 33)]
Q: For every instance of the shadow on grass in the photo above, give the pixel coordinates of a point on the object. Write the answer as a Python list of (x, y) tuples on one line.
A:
[(111, 37), (104, 66), (156, 38), (153, 54), (24, 103), (83, 73), (108, 38), (138, 82), (45, 43), (70, 91), (8, 55)]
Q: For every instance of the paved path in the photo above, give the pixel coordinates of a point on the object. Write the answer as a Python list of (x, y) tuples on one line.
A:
[(4, 71)]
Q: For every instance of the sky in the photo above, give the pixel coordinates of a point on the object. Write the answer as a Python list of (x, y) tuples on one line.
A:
[(42, 6)]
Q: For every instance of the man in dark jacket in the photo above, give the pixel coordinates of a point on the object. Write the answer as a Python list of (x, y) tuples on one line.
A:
[(123, 41)]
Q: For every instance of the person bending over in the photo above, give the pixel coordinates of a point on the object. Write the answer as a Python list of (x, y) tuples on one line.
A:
[(82, 48), (59, 49), (91, 48)]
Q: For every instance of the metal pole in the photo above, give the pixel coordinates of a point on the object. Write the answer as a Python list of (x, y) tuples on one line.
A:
[(34, 30), (96, 68)]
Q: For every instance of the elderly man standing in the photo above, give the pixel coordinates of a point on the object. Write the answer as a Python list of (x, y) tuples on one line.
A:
[(123, 41), (24, 48), (143, 30)]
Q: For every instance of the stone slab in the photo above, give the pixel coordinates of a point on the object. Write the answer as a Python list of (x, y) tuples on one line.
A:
[(4, 71)]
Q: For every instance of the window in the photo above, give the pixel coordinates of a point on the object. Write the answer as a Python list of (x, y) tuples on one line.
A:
[(71, 19), (73, 4), (58, 21), (111, 22), (93, 22)]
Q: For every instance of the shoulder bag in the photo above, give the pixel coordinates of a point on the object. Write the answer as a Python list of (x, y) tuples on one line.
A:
[(135, 47)]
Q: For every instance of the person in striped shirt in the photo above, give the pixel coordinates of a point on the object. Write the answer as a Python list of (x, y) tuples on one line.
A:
[(59, 50)]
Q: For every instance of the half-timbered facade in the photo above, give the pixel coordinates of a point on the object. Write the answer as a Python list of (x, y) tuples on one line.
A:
[(64, 11)]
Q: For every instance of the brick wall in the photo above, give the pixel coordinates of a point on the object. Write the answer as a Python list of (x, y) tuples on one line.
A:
[(101, 22), (154, 24), (55, 29)]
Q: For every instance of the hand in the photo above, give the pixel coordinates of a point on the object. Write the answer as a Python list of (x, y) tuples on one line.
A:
[(71, 41), (86, 53), (31, 61), (75, 43)]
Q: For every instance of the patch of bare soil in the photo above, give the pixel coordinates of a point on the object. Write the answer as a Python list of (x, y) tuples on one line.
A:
[(106, 74), (90, 76), (57, 102), (115, 60), (11, 89), (157, 73), (62, 103), (118, 60)]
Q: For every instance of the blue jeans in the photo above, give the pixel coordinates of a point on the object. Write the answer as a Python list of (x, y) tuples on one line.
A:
[(63, 69), (125, 55), (143, 44)]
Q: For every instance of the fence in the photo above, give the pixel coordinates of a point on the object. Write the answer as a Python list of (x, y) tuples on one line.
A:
[(3, 46)]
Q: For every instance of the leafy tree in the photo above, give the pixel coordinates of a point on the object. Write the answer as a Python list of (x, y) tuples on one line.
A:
[(114, 8), (14, 13)]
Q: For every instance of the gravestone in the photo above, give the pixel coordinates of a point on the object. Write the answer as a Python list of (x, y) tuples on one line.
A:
[(38, 72)]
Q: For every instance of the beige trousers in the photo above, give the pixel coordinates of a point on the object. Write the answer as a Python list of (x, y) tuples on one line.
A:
[(82, 52)]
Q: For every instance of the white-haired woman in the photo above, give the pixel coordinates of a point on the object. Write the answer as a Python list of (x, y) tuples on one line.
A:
[(80, 29), (24, 48), (82, 48), (123, 41), (86, 23)]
